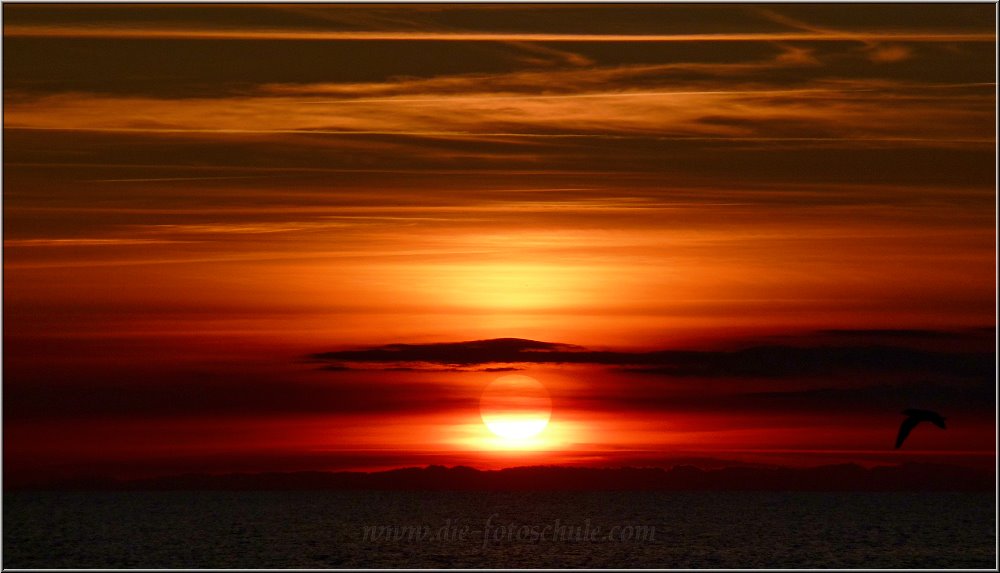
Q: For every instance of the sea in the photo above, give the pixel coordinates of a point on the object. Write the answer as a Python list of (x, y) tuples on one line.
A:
[(394, 529)]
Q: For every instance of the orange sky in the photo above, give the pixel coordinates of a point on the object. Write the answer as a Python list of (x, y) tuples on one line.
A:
[(198, 198)]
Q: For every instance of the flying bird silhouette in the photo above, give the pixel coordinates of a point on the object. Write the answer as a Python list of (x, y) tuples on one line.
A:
[(914, 417)]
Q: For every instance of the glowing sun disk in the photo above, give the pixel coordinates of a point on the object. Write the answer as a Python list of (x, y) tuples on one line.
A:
[(515, 407)]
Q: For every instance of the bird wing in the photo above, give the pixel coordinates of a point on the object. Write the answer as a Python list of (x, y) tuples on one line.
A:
[(904, 430)]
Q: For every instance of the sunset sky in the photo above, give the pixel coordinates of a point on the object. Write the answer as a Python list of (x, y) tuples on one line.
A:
[(746, 232)]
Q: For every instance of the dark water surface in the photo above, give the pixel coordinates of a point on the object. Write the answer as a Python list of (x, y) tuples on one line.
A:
[(322, 529)]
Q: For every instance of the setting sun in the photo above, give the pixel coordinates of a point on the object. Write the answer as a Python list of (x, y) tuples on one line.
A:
[(291, 284), (515, 407)]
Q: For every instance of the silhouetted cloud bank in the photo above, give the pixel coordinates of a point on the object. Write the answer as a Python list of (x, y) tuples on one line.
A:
[(772, 361)]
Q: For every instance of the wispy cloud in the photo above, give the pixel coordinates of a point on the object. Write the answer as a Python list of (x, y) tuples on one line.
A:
[(84, 242), (877, 52), (890, 54), (458, 108), (154, 33)]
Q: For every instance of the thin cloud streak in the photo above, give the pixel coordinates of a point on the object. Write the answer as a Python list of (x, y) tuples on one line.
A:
[(856, 111), (479, 135), (151, 33), (85, 242)]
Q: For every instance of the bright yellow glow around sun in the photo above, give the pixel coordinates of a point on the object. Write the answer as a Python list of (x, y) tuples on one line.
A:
[(516, 408)]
